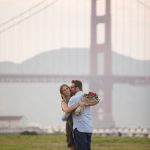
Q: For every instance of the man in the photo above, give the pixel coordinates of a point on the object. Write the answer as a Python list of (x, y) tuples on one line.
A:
[(82, 124)]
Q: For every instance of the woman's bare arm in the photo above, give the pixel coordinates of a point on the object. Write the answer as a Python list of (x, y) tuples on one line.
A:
[(67, 108)]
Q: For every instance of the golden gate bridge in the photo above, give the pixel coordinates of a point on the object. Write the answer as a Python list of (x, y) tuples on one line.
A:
[(96, 82)]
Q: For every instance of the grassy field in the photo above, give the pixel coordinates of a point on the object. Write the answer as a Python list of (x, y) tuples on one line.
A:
[(57, 142)]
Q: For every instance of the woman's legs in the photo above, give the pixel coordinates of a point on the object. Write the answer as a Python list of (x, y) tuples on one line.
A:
[(72, 147)]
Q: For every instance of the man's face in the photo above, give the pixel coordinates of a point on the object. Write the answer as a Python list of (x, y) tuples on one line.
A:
[(73, 88)]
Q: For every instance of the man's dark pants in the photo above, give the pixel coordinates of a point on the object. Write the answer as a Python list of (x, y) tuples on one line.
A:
[(82, 140)]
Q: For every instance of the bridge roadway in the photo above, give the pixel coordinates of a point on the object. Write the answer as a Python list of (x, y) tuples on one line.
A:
[(14, 78)]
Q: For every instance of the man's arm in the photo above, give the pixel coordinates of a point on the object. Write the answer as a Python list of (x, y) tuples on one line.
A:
[(67, 108), (73, 101)]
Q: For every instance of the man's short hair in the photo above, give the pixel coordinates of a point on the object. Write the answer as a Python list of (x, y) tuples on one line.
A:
[(77, 83)]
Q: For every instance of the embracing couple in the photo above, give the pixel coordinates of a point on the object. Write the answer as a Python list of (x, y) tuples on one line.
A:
[(78, 127)]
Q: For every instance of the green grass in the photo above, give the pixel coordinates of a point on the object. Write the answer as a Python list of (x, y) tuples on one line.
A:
[(120, 143), (58, 142)]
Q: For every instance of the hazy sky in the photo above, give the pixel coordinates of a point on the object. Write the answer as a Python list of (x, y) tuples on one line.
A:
[(35, 28), (67, 24)]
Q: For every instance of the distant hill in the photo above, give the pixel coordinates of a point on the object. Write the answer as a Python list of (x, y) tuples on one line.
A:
[(40, 102), (74, 61)]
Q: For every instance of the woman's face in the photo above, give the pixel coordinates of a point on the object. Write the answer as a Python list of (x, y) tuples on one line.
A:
[(66, 91)]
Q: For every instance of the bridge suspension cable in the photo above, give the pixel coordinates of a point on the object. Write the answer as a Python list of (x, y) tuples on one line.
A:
[(142, 3), (133, 37), (22, 13), (26, 17)]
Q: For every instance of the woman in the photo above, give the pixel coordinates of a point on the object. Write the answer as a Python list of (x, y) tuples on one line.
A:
[(66, 95)]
